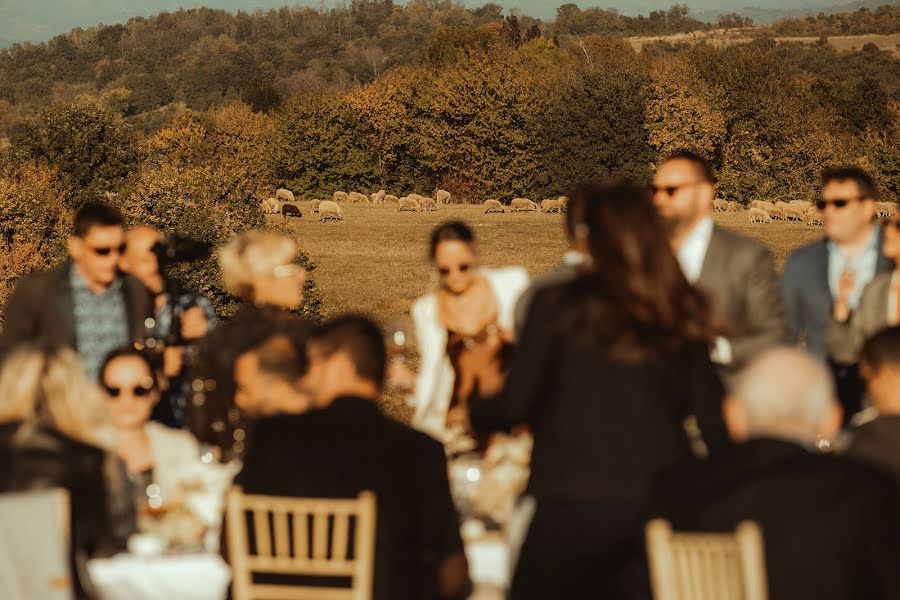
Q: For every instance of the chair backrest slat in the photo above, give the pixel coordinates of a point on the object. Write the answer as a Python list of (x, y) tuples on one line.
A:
[(331, 529), (706, 566)]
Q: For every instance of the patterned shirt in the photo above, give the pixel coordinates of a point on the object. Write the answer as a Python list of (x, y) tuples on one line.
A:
[(101, 321)]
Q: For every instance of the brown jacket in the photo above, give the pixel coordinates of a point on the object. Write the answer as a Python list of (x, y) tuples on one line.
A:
[(846, 339)]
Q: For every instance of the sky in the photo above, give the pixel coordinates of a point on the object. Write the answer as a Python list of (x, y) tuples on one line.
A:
[(39, 20)]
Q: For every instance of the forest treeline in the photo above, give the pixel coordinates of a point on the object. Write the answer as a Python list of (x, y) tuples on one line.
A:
[(482, 108)]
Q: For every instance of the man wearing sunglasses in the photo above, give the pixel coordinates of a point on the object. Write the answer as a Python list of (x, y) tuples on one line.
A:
[(737, 273), (85, 303), (826, 279)]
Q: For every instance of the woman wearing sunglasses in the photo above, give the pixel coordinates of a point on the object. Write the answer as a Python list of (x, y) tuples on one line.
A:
[(152, 453), (878, 307), (467, 321)]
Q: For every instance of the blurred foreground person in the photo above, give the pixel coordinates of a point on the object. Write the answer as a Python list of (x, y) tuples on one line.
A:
[(344, 445), (51, 419), (879, 304), (152, 452), (182, 318), (86, 303), (825, 280), (737, 273), (261, 268), (609, 367), (878, 440), (830, 525), (468, 320)]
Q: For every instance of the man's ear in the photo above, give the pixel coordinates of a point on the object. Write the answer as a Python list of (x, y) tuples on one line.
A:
[(75, 246), (735, 416)]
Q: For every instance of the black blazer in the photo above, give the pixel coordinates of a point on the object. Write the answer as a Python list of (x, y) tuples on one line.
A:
[(602, 430), (807, 295), (830, 525), (40, 310), (349, 447)]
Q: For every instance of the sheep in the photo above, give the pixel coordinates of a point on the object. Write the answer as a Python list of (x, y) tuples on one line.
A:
[(885, 209), (442, 196), (314, 205), (290, 210), (284, 194), (546, 202), (802, 204), (340, 197), (720, 205), (378, 197), (814, 216), (775, 212), (733, 206), (270, 206), (554, 206), (758, 215), (522, 204), (330, 211), (427, 205), (390, 198), (409, 203), (794, 213), (781, 205), (763, 204), (357, 197), (493, 206)]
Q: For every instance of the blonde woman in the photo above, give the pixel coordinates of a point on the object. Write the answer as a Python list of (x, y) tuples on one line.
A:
[(259, 267), (51, 421)]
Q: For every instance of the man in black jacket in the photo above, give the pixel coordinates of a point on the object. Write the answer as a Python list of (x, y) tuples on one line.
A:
[(344, 445), (86, 303), (830, 525)]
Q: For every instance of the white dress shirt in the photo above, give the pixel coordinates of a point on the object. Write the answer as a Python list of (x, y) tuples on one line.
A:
[(692, 252)]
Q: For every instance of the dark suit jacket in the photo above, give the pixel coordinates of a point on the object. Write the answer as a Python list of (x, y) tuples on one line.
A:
[(878, 442), (40, 310), (738, 276), (602, 430), (349, 447), (807, 295), (830, 525)]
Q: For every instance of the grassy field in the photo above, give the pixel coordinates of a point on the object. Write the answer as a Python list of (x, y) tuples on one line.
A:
[(719, 37), (376, 260)]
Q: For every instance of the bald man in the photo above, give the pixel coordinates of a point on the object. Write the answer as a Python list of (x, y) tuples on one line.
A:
[(737, 273), (182, 318), (831, 526)]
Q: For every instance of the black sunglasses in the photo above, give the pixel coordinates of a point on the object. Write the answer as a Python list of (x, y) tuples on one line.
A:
[(107, 250), (837, 202), (463, 268), (671, 190), (138, 391)]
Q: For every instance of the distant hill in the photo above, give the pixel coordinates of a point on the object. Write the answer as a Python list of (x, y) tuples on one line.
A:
[(39, 20)]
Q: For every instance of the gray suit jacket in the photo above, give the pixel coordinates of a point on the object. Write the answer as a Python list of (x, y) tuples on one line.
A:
[(807, 295), (738, 277), (845, 340)]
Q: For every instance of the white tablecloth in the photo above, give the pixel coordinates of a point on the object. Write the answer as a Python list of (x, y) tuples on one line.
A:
[(181, 577)]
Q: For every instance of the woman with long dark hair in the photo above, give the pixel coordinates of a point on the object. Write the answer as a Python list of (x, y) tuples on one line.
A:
[(609, 368)]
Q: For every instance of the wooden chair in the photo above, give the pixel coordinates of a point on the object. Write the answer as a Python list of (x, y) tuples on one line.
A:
[(706, 566), (284, 545)]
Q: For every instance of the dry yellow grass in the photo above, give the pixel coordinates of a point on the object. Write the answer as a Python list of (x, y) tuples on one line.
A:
[(718, 37), (375, 261)]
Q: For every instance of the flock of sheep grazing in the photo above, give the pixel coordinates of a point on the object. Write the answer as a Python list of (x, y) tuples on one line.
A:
[(762, 211), (286, 205)]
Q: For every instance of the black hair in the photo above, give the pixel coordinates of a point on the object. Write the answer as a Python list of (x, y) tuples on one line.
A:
[(700, 164), (864, 181), (450, 231), (95, 214), (129, 352), (881, 349), (359, 337)]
